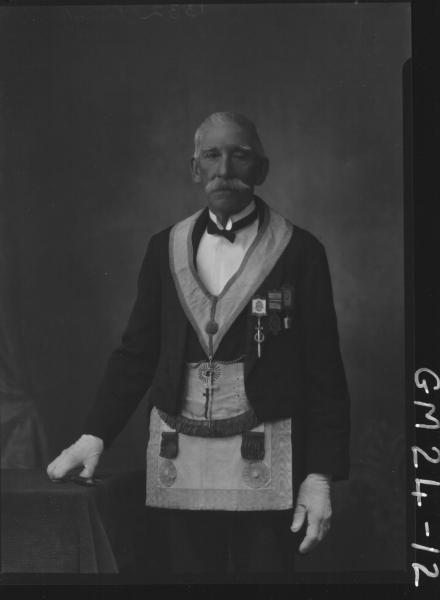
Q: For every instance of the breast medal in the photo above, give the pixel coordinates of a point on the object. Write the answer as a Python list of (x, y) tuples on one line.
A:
[(275, 302), (287, 292), (274, 323), (259, 310)]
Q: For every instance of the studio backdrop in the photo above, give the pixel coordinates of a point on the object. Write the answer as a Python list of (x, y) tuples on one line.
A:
[(99, 106)]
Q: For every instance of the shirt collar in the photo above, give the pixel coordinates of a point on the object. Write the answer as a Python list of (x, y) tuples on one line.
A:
[(235, 217)]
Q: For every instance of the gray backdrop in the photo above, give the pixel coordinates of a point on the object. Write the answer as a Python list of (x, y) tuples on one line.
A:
[(99, 106)]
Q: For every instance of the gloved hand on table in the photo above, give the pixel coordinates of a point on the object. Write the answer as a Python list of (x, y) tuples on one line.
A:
[(314, 502), (85, 452)]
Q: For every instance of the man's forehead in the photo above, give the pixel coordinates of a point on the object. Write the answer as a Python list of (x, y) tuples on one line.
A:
[(226, 134)]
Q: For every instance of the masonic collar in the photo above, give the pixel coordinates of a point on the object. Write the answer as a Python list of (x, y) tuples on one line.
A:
[(211, 316)]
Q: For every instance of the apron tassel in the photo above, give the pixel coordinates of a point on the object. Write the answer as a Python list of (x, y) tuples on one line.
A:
[(169, 444), (252, 445)]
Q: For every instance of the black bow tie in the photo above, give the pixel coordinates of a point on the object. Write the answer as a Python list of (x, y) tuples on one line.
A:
[(230, 233)]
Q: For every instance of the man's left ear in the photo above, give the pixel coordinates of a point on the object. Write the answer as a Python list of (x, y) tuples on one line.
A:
[(195, 170), (261, 170)]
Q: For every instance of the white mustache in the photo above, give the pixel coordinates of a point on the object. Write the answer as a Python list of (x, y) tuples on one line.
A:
[(219, 183)]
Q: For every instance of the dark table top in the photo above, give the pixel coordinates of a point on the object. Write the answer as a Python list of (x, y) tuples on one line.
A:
[(67, 528)]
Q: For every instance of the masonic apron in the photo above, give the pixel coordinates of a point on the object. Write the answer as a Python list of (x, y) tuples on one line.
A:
[(216, 454)]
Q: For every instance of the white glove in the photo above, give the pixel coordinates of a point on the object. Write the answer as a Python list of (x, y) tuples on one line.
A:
[(313, 501), (84, 452)]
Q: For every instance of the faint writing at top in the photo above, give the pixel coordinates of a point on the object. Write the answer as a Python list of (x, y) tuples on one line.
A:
[(173, 11)]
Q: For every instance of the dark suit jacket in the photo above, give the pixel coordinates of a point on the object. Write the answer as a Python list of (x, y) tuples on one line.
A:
[(299, 375)]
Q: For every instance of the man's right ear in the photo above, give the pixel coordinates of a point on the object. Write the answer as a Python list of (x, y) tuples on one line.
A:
[(195, 172)]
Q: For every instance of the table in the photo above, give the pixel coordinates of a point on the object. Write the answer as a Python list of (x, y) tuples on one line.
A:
[(51, 527)]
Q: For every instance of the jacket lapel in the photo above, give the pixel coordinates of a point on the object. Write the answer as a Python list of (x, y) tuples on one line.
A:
[(199, 228)]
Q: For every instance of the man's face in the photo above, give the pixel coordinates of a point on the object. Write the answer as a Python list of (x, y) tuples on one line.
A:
[(228, 167)]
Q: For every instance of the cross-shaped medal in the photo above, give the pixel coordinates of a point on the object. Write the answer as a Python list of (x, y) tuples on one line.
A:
[(207, 394)]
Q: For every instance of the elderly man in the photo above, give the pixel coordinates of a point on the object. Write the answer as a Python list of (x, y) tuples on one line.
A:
[(234, 332)]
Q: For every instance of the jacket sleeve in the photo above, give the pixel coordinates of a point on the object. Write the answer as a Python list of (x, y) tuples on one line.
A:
[(131, 367), (327, 411)]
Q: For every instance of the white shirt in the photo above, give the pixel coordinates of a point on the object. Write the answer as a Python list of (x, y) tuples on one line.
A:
[(217, 258)]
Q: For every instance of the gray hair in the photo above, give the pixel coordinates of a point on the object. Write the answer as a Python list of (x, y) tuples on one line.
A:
[(219, 118)]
